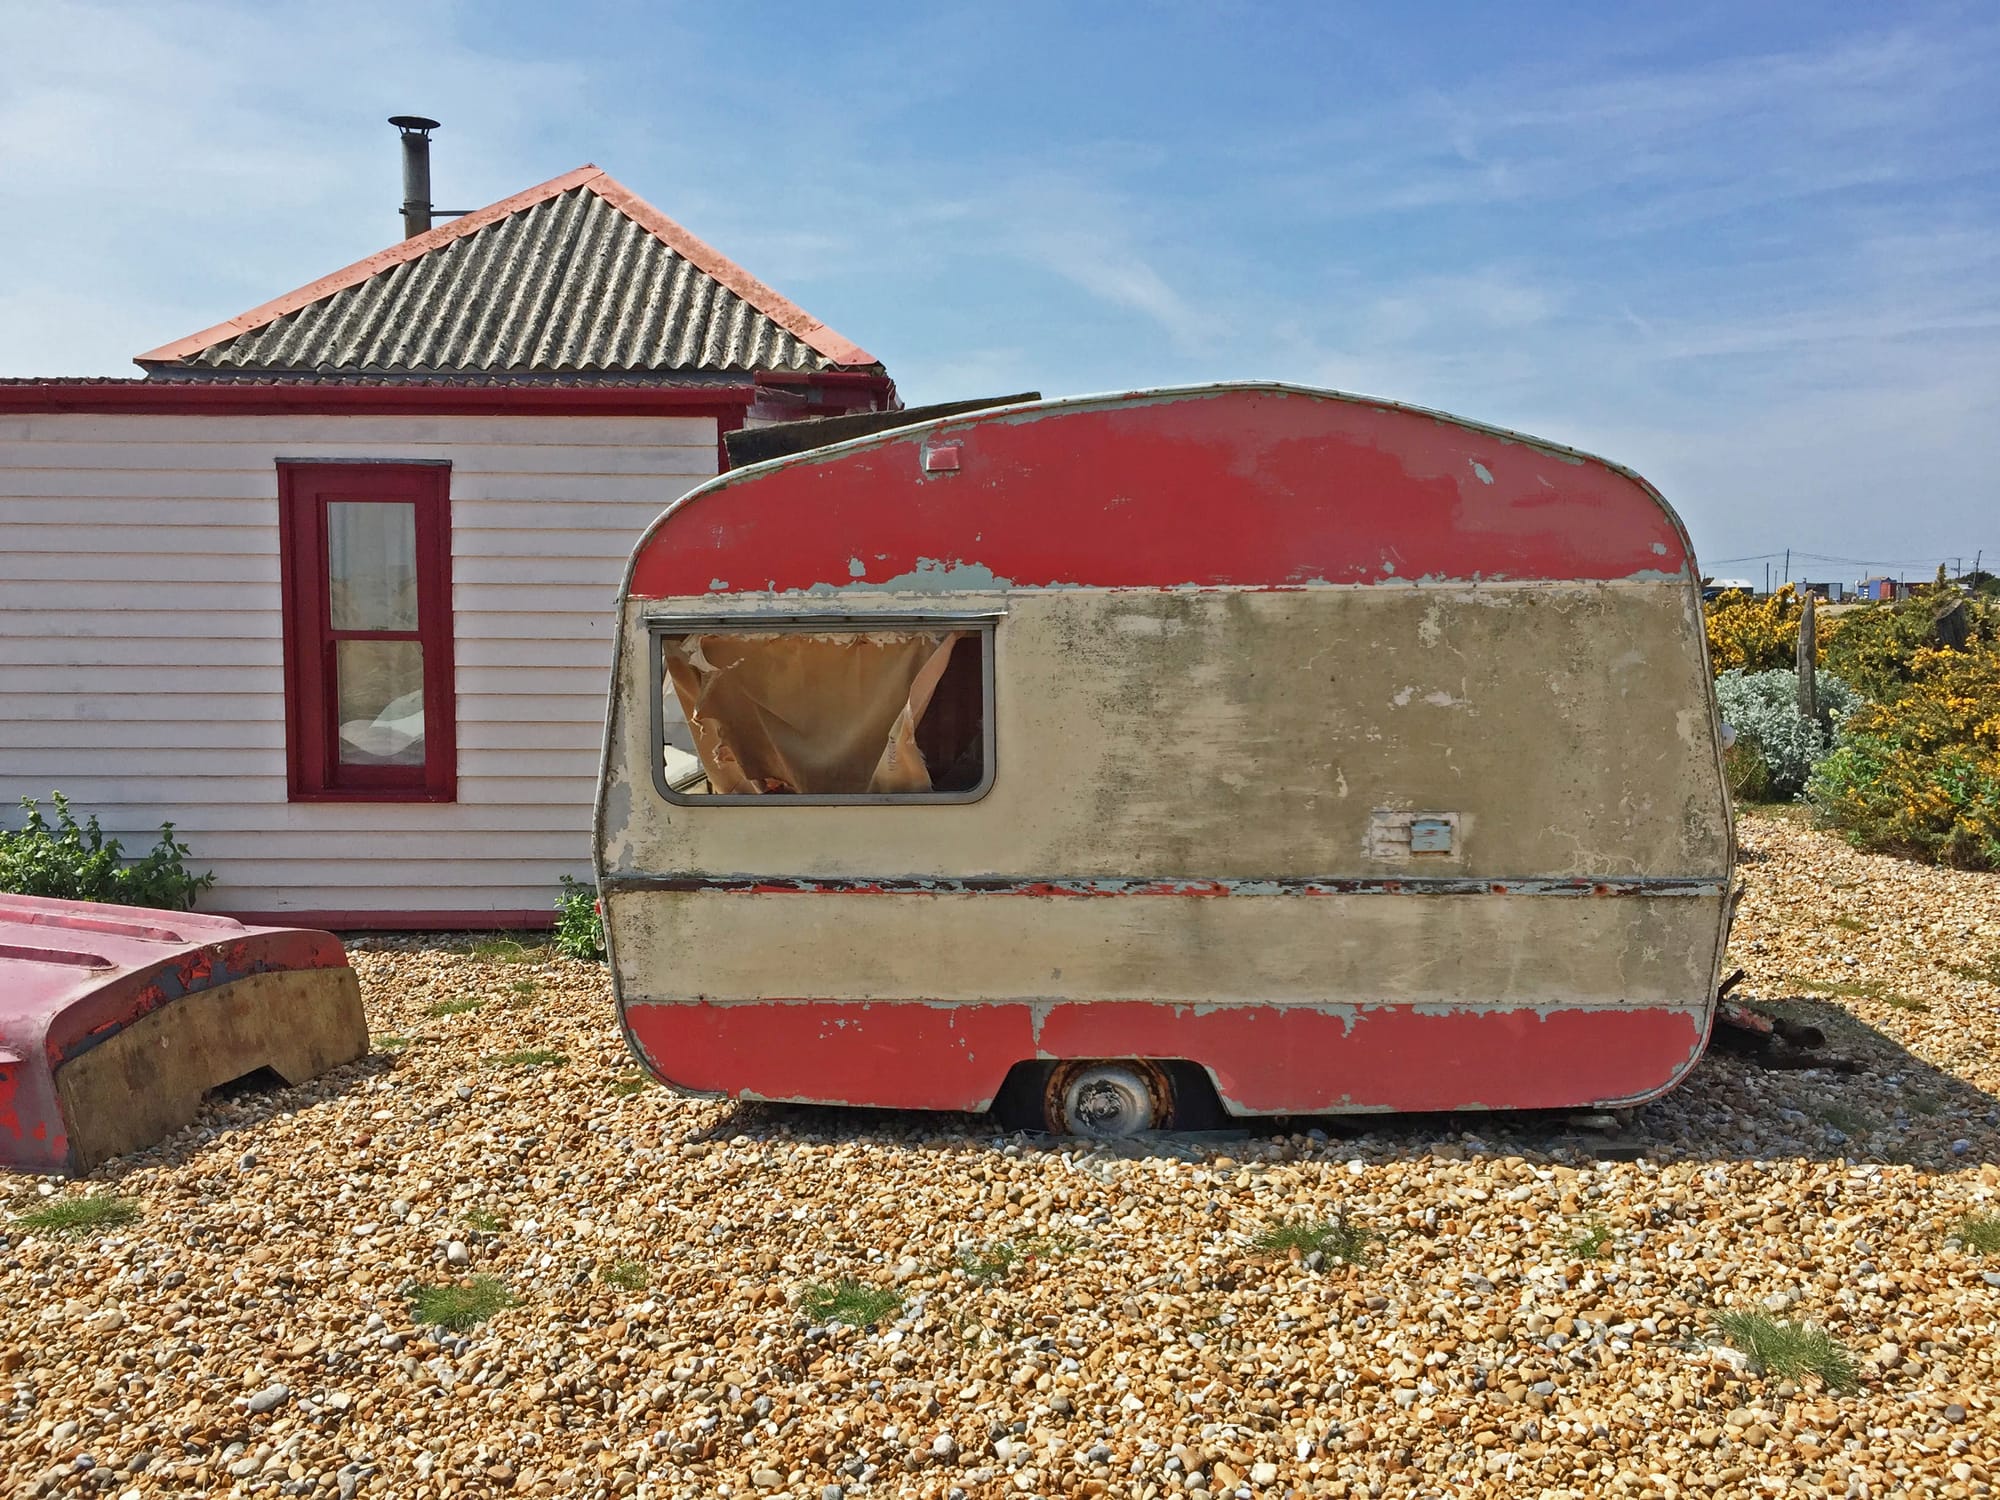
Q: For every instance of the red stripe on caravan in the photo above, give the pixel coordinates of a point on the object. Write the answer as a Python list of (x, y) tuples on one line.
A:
[(1254, 487), (1265, 1059)]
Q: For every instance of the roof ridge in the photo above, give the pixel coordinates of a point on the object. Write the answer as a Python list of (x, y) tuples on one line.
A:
[(400, 253)]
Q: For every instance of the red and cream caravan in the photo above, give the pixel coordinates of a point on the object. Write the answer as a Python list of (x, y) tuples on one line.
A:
[(1089, 754)]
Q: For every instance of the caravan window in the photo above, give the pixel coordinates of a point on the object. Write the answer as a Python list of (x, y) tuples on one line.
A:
[(893, 712)]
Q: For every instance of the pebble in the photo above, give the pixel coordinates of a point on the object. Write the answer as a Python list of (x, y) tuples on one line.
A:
[(269, 1399), (661, 1248)]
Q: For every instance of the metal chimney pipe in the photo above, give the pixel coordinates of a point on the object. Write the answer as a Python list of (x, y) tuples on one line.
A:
[(416, 171)]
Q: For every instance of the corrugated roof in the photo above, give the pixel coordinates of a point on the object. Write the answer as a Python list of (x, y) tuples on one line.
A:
[(576, 277)]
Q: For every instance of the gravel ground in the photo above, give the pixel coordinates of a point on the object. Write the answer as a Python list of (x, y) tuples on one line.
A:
[(1534, 1314)]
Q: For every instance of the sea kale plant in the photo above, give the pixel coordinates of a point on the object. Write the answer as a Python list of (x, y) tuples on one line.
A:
[(1762, 707)]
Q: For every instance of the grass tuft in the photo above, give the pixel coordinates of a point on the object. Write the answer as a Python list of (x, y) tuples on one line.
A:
[(1852, 924), (454, 1007), (1981, 1233), (1788, 1350), (460, 1305), (1847, 1120), (988, 1263), (484, 1220), (627, 1275), (1985, 970), (506, 950), (1336, 1239), (624, 1088), (851, 1302), (76, 1216), (392, 1043), (531, 1058), (1592, 1243)]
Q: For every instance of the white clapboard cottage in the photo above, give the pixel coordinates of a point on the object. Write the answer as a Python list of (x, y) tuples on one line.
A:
[(332, 586)]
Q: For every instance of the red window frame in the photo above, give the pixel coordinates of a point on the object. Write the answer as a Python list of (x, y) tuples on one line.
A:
[(314, 772)]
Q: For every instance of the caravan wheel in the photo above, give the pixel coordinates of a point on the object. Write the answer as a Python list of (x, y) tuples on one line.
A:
[(1108, 1099)]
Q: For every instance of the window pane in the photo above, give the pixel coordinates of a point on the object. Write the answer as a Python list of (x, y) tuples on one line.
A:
[(371, 557), (381, 692), (824, 713)]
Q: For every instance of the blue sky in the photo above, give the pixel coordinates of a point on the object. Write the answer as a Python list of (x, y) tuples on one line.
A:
[(1751, 251)]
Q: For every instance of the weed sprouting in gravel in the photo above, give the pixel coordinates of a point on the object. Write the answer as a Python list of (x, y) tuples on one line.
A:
[(624, 1088), (1337, 1238), (988, 1263), (1852, 924), (1984, 971), (392, 1043), (1981, 1233), (460, 1305), (1789, 1350), (626, 1275), (506, 950), (851, 1302), (78, 1216), (1906, 1002), (456, 1007), (1847, 1120), (530, 1058), (1592, 1243), (483, 1221)]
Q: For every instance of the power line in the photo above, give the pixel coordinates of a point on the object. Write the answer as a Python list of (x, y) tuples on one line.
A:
[(1851, 562)]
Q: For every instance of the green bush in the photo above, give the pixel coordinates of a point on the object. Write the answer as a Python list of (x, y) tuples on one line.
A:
[(1874, 649), (1763, 709), (1919, 775), (1744, 768), (579, 928), (78, 863), (1753, 635)]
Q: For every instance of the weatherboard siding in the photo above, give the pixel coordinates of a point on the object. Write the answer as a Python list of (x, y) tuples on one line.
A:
[(141, 643)]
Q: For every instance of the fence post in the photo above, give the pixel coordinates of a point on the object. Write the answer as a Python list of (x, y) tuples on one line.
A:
[(1808, 662)]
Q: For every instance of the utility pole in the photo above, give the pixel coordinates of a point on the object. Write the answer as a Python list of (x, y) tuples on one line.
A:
[(1767, 578), (1788, 565)]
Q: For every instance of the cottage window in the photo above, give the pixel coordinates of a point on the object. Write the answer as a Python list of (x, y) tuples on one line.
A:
[(823, 714), (365, 554)]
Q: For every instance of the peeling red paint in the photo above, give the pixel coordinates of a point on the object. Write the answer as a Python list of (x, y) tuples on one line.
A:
[(10, 1119), (1265, 1059), (1320, 489)]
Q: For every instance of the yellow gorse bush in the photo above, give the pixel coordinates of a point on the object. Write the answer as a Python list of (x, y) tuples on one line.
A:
[(1758, 635), (1920, 774)]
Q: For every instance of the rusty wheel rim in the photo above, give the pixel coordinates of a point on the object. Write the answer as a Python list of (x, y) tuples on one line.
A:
[(1106, 1099)]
